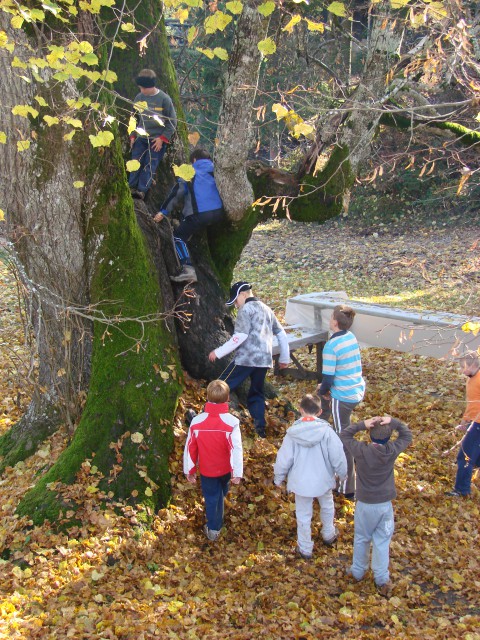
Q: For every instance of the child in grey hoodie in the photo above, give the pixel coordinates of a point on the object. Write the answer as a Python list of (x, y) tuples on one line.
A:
[(311, 454)]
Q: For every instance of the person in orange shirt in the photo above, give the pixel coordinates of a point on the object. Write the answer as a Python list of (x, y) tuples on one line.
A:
[(469, 453)]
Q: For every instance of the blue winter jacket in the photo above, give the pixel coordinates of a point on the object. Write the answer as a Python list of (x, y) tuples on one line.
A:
[(198, 196)]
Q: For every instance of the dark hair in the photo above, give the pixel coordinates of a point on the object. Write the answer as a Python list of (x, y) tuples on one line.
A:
[(344, 316), (311, 405), (199, 154)]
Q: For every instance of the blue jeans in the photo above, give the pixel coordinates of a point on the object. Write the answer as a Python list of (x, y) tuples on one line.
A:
[(373, 523), (234, 375), (149, 159), (190, 226), (214, 491), (468, 458)]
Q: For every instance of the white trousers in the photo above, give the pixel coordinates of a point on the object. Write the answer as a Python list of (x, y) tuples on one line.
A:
[(304, 512)]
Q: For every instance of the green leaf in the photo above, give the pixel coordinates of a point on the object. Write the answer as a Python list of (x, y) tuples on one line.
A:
[(37, 15), (184, 171), (221, 53), (267, 46), (109, 76), (90, 59), (338, 9), (102, 139), (266, 8), (235, 7), (217, 22), (133, 165)]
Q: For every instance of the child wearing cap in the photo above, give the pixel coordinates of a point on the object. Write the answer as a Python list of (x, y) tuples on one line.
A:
[(255, 327), (310, 456), (214, 445), (373, 522), (157, 123)]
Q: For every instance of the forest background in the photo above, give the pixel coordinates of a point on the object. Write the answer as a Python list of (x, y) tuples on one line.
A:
[(379, 134)]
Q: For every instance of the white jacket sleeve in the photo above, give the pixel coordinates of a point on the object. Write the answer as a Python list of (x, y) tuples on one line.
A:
[(236, 454), (235, 341), (284, 356), (284, 461)]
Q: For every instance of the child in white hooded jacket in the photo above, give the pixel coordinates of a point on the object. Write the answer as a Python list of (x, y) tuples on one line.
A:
[(311, 456)]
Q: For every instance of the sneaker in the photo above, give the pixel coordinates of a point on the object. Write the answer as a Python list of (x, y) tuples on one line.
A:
[(454, 494), (349, 574), (211, 533), (187, 274), (189, 416), (305, 556), (331, 541), (384, 590)]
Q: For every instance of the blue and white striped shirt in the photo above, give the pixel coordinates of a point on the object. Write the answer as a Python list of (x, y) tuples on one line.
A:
[(341, 359)]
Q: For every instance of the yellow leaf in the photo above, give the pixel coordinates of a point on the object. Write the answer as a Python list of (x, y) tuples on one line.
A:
[(289, 27), (102, 139), (17, 22), (18, 64), (279, 110), (471, 327), (23, 145), (2, 215), (217, 22), (24, 110), (164, 375), (96, 575), (74, 122), (128, 27), (140, 106), (50, 120), (148, 492), (221, 53), (184, 171), (3, 137), (120, 45), (303, 129), (266, 8), (456, 577), (41, 101), (132, 165), (207, 52), (69, 136), (78, 184), (235, 7), (192, 34), (137, 437), (338, 9), (193, 138), (267, 46), (132, 123), (315, 26)]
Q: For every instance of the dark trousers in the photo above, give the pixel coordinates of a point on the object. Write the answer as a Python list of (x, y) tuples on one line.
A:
[(190, 226), (234, 375), (468, 458), (214, 491), (141, 179), (341, 412)]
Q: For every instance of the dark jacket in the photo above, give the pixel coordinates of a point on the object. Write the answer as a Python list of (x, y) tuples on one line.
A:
[(375, 462)]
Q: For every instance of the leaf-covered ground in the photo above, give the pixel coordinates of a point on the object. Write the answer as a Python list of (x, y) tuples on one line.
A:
[(111, 577)]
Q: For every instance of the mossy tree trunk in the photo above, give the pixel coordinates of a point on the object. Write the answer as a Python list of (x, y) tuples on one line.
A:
[(97, 289)]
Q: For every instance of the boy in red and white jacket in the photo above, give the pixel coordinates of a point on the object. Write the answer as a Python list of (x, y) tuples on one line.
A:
[(214, 445)]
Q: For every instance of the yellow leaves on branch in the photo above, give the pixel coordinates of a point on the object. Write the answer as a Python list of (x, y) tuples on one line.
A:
[(102, 139), (212, 53), (217, 22)]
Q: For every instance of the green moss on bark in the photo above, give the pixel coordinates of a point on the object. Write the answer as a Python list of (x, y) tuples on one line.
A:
[(464, 135), (227, 242), (321, 196), (127, 391)]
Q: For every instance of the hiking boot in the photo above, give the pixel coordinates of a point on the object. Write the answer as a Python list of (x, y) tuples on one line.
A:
[(305, 556), (211, 534), (384, 590), (189, 416), (349, 574), (454, 494), (331, 541), (187, 274)]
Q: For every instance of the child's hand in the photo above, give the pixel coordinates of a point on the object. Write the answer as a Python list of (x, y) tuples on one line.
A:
[(192, 478), (461, 427), (211, 356), (235, 480), (158, 217), (372, 422)]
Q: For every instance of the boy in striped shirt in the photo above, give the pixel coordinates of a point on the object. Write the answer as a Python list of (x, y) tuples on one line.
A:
[(342, 387)]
